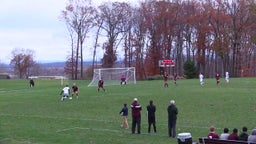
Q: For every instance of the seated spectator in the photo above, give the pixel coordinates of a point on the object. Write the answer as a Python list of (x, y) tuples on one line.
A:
[(252, 137), (243, 136), (212, 134), (225, 134), (234, 135)]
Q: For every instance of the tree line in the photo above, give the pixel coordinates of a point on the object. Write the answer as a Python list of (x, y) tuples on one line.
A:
[(215, 35)]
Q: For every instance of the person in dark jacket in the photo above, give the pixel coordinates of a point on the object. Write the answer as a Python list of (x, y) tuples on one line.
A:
[(136, 116), (151, 109), (124, 113), (172, 117), (244, 135)]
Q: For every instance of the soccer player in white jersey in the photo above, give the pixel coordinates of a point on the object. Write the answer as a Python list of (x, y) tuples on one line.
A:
[(201, 79), (227, 77), (65, 91)]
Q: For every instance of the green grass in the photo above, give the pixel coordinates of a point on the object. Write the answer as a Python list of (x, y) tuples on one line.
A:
[(37, 116)]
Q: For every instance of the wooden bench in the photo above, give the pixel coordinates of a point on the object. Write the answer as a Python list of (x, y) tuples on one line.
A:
[(205, 140)]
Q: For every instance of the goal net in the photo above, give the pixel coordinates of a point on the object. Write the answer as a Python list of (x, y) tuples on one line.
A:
[(63, 79), (112, 76)]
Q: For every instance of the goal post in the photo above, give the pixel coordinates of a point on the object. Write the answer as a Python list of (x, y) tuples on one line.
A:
[(112, 76)]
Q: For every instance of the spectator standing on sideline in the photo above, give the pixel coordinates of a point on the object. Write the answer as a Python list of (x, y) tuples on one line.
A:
[(65, 91), (233, 135), (244, 135), (212, 134), (227, 77), (252, 137), (225, 134), (201, 79), (75, 90), (124, 113), (123, 80), (136, 116), (101, 85), (172, 118), (217, 76), (31, 83), (165, 79), (151, 109)]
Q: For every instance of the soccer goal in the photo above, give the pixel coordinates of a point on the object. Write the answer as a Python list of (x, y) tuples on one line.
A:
[(112, 76), (63, 79)]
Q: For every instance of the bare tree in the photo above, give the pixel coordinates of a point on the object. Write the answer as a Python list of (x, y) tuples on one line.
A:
[(113, 16), (22, 61), (99, 24), (79, 15)]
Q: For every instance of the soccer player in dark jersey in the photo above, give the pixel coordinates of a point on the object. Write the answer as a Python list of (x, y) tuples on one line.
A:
[(75, 90), (123, 80), (101, 85), (31, 83), (175, 78), (217, 76), (165, 79)]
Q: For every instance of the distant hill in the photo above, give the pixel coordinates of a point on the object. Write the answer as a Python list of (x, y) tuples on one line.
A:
[(53, 64), (61, 64)]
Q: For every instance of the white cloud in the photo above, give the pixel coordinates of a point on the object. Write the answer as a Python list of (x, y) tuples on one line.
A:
[(35, 25)]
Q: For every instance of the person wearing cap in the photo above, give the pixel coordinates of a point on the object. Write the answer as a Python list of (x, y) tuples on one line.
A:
[(136, 115), (172, 118)]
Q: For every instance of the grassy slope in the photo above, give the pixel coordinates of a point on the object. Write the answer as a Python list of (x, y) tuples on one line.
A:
[(38, 116)]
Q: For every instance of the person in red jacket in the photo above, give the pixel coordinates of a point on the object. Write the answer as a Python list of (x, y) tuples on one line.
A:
[(234, 135), (136, 115), (212, 134)]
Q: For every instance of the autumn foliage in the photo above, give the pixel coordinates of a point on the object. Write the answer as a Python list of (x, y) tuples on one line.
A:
[(217, 35)]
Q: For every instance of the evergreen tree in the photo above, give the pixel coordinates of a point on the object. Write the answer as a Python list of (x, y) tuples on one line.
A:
[(190, 69)]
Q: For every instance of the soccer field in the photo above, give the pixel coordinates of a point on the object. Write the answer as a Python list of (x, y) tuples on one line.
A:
[(38, 116)]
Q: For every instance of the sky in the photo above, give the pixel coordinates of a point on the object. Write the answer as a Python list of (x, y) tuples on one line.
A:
[(36, 25)]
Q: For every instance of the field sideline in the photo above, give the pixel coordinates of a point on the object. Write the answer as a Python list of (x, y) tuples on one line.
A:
[(37, 116)]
